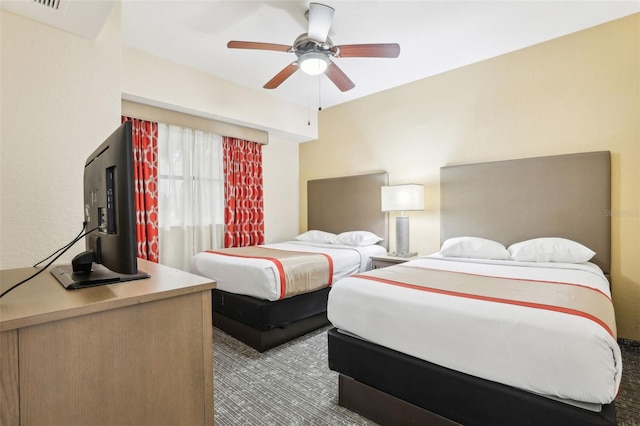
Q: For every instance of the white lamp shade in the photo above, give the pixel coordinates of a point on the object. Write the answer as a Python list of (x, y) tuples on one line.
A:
[(402, 197)]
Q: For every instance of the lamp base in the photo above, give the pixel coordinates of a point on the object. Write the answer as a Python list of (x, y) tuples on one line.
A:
[(402, 237), (396, 254)]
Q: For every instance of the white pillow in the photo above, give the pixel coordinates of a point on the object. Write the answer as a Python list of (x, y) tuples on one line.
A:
[(550, 250), (315, 236), (474, 247), (356, 238)]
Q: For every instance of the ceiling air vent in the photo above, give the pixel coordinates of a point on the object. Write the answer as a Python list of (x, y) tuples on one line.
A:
[(52, 4), (81, 17)]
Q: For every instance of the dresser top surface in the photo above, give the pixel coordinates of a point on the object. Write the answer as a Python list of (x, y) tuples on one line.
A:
[(44, 299)]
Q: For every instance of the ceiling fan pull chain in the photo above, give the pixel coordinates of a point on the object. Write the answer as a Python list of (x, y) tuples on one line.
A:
[(309, 105), (319, 96)]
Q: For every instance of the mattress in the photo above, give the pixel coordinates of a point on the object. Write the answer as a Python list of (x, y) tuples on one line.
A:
[(259, 278), (551, 353)]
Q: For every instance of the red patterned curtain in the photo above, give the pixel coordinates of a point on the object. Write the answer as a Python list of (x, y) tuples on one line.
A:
[(145, 171), (244, 206)]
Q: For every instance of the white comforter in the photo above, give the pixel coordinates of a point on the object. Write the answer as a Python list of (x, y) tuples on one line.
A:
[(259, 277), (562, 356)]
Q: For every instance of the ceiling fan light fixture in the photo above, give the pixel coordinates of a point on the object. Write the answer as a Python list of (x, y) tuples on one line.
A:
[(314, 50), (313, 63)]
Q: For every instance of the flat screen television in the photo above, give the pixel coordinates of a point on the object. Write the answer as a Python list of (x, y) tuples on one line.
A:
[(110, 218)]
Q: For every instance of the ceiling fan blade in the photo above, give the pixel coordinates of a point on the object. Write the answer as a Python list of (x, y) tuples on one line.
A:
[(339, 78), (381, 50), (320, 17), (279, 78), (233, 44)]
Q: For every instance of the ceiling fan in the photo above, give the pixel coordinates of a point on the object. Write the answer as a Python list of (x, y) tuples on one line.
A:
[(315, 49)]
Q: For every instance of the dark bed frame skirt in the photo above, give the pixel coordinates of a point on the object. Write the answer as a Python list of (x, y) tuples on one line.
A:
[(390, 387), (264, 324)]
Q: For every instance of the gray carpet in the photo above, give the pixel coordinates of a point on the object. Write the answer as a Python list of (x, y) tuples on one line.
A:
[(292, 384), (287, 385)]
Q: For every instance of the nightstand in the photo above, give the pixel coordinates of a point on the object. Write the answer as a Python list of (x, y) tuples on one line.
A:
[(383, 261)]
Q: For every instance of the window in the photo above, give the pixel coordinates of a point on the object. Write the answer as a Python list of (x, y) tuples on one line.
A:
[(191, 193)]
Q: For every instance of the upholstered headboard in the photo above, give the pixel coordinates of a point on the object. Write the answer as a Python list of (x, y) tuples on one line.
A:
[(350, 203), (509, 201)]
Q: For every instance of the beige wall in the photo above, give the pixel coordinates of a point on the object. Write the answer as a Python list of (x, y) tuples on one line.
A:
[(281, 194), (577, 93), (60, 97)]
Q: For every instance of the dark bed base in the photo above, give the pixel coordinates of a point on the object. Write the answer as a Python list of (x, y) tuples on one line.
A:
[(393, 388), (265, 340), (264, 324)]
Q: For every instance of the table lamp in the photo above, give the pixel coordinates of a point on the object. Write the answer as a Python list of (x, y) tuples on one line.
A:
[(402, 198)]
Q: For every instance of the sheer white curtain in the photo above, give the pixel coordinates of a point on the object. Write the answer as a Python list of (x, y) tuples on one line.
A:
[(191, 194)]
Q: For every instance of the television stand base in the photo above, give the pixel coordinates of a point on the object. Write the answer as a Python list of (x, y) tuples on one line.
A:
[(99, 275)]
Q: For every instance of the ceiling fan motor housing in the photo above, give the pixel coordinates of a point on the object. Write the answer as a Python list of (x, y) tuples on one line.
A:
[(304, 44)]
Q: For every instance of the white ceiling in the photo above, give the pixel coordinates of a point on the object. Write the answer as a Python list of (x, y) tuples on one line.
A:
[(434, 36)]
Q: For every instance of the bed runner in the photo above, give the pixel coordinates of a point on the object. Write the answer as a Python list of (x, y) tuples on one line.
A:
[(567, 298), (299, 272)]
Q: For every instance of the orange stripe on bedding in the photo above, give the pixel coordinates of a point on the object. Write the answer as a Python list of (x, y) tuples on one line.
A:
[(514, 279), (566, 298), (286, 287), (329, 261)]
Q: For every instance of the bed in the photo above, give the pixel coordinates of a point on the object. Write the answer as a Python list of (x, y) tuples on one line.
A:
[(252, 302), (438, 341)]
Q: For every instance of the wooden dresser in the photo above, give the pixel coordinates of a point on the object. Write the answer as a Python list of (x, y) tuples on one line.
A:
[(134, 353)]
